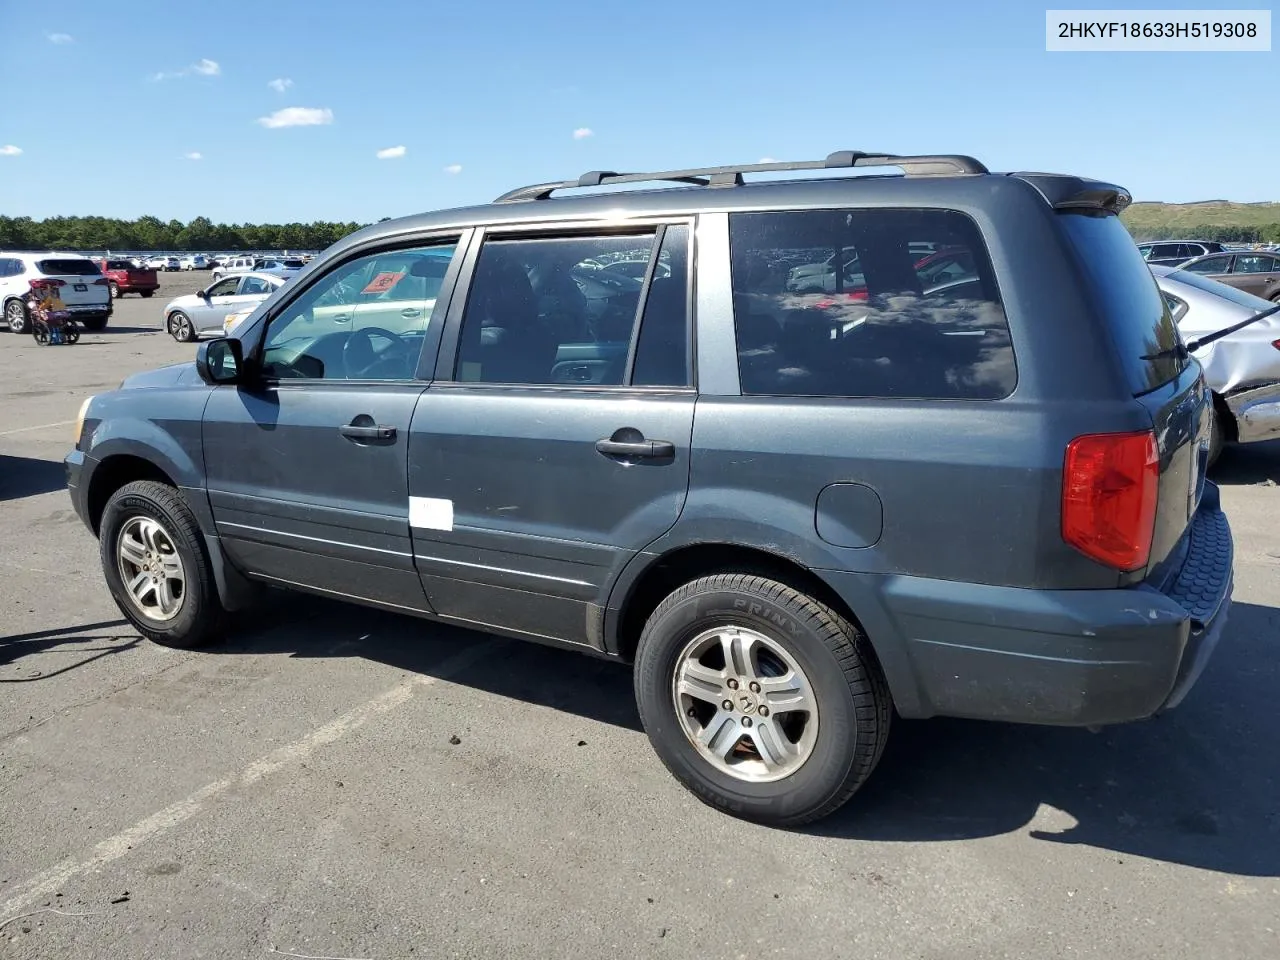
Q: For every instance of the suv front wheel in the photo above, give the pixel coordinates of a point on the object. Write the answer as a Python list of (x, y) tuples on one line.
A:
[(155, 565), (761, 700), (15, 316)]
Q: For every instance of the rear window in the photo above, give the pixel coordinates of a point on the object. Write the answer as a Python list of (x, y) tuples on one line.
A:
[(867, 303), (79, 268), (119, 265), (1125, 294)]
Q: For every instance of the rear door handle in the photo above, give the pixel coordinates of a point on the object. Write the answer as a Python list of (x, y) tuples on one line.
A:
[(409, 313), (354, 431), (636, 448)]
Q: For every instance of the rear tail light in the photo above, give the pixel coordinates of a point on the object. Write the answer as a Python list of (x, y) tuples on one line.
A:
[(1110, 485), (1276, 344), (47, 284), (101, 282)]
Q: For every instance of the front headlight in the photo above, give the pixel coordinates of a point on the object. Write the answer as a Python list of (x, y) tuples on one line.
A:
[(84, 409)]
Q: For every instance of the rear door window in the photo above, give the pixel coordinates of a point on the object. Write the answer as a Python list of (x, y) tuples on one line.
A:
[(867, 303), (1125, 294)]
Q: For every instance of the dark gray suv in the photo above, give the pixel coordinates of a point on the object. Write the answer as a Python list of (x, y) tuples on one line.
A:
[(962, 475)]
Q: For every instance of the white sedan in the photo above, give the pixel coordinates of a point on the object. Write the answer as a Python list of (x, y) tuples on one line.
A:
[(199, 314), (1243, 368)]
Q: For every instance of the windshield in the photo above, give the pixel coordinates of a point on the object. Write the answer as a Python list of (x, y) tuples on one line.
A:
[(1126, 295), (1226, 291)]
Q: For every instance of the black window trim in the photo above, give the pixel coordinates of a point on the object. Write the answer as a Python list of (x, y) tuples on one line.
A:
[(446, 363), (460, 237)]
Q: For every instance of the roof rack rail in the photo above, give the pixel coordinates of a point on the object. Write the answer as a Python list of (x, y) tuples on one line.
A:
[(912, 166)]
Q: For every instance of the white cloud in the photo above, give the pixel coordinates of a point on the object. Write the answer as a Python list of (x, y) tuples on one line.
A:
[(193, 155), (204, 67), (9, 150), (453, 168), (61, 38), (392, 153), (582, 133), (298, 117), (766, 160), (280, 84)]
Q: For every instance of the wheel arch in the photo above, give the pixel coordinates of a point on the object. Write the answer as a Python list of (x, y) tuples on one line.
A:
[(112, 473), (652, 577)]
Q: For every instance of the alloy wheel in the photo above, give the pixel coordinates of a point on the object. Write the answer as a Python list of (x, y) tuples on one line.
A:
[(745, 704), (150, 568)]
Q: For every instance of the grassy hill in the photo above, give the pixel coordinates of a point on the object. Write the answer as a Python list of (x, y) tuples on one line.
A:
[(1205, 220)]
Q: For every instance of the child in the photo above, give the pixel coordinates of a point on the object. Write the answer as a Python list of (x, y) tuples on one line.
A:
[(50, 309)]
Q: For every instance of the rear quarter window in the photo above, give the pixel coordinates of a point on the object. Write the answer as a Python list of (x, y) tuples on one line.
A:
[(867, 303), (1125, 294)]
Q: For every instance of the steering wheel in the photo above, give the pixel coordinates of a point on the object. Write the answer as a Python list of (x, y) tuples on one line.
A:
[(359, 356)]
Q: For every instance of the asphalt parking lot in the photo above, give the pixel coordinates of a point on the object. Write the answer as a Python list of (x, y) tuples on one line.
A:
[(295, 790)]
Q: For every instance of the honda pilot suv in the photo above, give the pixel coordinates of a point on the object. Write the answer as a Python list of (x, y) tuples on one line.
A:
[(971, 492)]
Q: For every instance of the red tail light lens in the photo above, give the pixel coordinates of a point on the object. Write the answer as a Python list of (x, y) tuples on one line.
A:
[(1110, 485), (47, 282), (101, 282), (1276, 344)]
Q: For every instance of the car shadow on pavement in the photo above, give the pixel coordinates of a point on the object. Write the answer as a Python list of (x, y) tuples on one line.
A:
[(85, 643), (1197, 786), (27, 477), (1248, 463), (564, 680)]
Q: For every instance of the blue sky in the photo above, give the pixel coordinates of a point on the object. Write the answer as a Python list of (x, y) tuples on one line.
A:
[(483, 96)]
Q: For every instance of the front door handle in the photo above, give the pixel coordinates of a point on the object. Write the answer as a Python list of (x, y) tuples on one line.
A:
[(649, 449), (366, 431), (409, 313)]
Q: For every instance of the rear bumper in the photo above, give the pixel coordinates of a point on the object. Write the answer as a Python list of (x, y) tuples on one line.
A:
[(1257, 412), (1065, 657)]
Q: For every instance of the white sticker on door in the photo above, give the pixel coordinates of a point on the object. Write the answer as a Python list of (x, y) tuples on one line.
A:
[(428, 513)]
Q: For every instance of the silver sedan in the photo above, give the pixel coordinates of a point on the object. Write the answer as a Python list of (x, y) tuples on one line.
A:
[(1242, 369), (199, 314)]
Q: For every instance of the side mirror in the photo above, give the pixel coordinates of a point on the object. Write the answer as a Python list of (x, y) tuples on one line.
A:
[(204, 295), (220, 361)]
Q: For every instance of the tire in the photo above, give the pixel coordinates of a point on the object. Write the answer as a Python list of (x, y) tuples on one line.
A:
[(180, 327), (146, 294), (1217, 435), (834, 664), (95, 324), (146, 505), (114, 289), (40, 332), (15, 316)]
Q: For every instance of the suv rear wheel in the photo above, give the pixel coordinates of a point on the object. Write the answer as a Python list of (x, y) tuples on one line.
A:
[(761, 700), (15, 316), (155, 565)]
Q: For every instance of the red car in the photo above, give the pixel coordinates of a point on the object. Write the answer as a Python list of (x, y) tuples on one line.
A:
[(123, 277)]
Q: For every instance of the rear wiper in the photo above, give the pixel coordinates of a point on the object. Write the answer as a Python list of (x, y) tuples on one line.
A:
[(1184, 350)]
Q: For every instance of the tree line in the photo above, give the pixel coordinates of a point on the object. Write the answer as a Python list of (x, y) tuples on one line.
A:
[(1231, 223), (152, 233)]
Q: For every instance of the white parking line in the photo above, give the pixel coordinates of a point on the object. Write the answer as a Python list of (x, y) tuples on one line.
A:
[(42, 426), (52, 880)]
